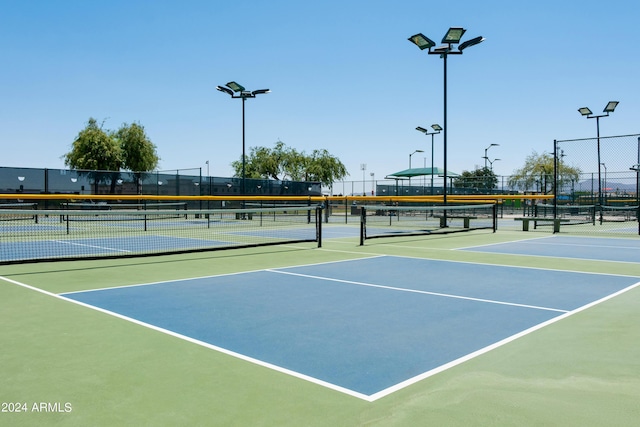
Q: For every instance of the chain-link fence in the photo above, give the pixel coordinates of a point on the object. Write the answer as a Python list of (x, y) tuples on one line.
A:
[(607, 170), (601, 174)]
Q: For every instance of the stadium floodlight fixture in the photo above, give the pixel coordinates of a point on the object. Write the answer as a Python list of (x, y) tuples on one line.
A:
[(225, 90), (232, 89), (260, 91), (451, 38), (472, 42), (610, 107), (422, 41), (235, 87), (437, 128), (585, 111)]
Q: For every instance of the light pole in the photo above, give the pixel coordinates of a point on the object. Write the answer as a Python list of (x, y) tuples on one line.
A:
[(636, 168), (234, 90), (587, 112), (363, 167), (485, 153), (436, 127), (451, 38), (416, 151), (491, 162), (605, 179), (373, 183)]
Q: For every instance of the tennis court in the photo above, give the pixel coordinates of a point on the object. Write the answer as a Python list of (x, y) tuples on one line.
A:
[(463, 329), (586, 248), (373, 338)]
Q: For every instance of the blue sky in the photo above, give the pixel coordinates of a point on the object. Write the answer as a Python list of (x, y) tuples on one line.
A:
[(343, 77)]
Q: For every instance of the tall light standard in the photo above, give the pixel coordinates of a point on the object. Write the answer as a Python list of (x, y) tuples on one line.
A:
[(636, 168), (416, 151), (363, 168), (451, 38), (235, 90), (373, 183), (485, 153), (491, 162), (587, 112), (436, 127), (605, 179)]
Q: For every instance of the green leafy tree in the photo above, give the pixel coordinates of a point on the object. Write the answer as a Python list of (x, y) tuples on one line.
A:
[(537, 174), (101, 154), (138, 152), (325, 168), (95, 150), (285, 163), (482, 179)]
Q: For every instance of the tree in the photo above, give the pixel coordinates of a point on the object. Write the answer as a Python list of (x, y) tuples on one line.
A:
[(283, 162), (325, 168), (138, 152), (93, 150), (537, 173), (482, 179), (96, 150)]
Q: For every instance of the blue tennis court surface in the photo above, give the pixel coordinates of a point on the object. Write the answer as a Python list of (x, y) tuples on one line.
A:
[(603, 249), (95, 246), (366, 326)]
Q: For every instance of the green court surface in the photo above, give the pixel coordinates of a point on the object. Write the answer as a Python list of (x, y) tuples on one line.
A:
[(65, 364)]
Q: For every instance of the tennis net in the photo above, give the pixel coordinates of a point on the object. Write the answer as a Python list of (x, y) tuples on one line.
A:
[(11, 211), (90, 234), (589, 214), (576, 214), (379, 221)]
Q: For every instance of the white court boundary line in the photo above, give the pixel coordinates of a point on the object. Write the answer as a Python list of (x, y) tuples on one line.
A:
[(195, 341), (488, 348), (535, 241), (416, 291), (368, 398), (85, 245)]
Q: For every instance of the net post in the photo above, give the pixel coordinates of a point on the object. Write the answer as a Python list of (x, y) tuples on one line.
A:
[(495, 217), (363, 220), (555, 179), (318, 225)]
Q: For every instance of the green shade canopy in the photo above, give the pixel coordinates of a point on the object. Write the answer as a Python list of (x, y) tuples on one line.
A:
[(413, 172)]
